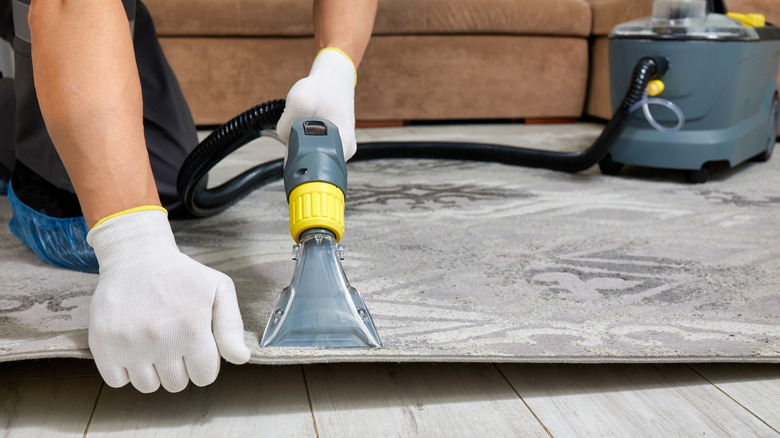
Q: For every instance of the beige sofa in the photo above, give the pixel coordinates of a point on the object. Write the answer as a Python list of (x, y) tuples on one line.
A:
[(427, 60)]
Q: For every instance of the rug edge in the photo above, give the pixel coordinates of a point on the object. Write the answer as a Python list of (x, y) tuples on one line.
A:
[(585, 360)]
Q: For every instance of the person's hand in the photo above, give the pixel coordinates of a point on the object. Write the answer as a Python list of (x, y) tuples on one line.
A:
[(329, 93), (157, 316)]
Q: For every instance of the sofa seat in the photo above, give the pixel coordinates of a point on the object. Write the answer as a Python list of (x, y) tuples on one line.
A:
[(427, 60)]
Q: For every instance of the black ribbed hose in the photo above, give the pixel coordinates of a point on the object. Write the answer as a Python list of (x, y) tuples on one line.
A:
[(526, 157), (245, 127)]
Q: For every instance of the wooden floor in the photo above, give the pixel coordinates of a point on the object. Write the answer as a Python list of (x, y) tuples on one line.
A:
[(67, 398)]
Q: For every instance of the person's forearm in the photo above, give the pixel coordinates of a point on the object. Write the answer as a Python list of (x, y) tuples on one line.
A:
[(344, 24), (90, 98)]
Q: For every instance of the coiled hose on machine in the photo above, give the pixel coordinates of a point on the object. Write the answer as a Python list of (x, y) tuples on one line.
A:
[(202, 201)]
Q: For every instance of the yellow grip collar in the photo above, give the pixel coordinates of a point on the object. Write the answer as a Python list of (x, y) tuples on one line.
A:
[(316, 204)]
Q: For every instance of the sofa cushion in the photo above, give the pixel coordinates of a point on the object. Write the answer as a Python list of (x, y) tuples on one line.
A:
[(401, 77), (394, 17)]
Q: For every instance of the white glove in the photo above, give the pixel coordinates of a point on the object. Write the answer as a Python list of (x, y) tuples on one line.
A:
[(157, 316), (329, 93)]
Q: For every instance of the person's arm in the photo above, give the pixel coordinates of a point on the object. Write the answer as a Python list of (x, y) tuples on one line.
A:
[(157, 317), (342, 29), (345, 25), (90, 97)]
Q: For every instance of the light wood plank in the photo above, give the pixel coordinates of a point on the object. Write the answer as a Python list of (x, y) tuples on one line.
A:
[(416, 400), (245, 401), (756, 387), (635, 401), (47, 408)]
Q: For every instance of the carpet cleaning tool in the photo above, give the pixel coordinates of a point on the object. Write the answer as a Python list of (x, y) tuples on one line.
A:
[(719, 98), (718, 76), (319, 308)]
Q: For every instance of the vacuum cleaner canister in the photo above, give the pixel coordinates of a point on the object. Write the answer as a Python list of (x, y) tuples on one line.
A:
[(719, 101)]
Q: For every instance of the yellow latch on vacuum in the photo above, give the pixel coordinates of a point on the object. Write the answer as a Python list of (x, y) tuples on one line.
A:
[(749, 20)]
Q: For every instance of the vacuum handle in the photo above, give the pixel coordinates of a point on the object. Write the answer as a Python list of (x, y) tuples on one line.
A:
[(315, 178), (315, 153)]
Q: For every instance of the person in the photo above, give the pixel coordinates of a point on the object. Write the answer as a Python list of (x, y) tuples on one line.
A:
[(101, 128)]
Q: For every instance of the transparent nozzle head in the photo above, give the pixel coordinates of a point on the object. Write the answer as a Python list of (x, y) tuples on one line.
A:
[(319, 308)]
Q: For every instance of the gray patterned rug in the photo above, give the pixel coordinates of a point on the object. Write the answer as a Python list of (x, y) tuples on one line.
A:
[(466, 261)]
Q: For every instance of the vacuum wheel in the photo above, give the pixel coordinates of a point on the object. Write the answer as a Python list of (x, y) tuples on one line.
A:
[(699, 176), (770, 146), (609, 167)]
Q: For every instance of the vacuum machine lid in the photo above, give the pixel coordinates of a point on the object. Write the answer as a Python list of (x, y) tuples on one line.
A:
[(685, 20)]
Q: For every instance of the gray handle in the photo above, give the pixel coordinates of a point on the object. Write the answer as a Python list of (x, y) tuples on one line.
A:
[(315, 153)]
